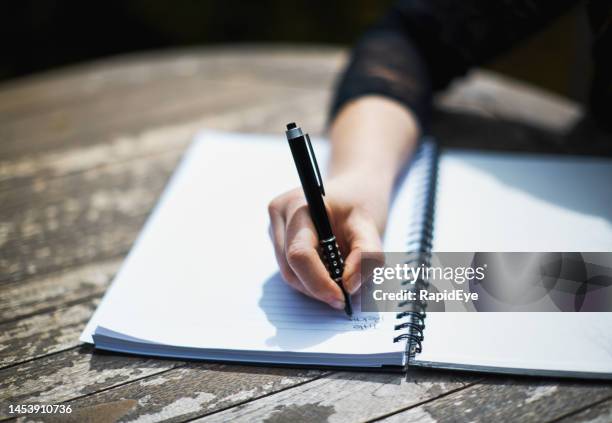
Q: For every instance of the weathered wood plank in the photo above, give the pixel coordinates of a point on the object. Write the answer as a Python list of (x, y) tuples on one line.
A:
[(190, 391), (156, 102), (80, 217), (525, 400), (346, 397), (85, 153), (48, 293), (600, 413), (157, 138), (81, 208), (293, 66), (154, 137), (70, 374), (91, 125), (46, 333), (70, 251)]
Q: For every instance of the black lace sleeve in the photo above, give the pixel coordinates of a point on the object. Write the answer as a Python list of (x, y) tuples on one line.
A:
[(421, 45)]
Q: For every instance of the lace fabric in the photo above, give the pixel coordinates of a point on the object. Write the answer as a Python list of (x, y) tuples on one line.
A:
[(422, 45)]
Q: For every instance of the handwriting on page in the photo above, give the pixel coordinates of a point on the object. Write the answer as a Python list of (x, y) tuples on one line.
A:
[(365, 322)]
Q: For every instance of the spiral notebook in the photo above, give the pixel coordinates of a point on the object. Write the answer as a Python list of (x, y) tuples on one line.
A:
[(201, 281)]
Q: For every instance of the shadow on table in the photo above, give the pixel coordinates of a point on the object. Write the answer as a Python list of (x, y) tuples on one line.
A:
[(472, 131)]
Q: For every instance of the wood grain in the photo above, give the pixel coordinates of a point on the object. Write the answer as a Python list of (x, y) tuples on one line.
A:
[(178, 90), (599, 413), (191, 391), (43, 334), (85, 152), (89, 204), (48, 293), (70, 374), (347, 397), (268, 114), (525, 400), (126, 115), (291, 66), (81, 217)]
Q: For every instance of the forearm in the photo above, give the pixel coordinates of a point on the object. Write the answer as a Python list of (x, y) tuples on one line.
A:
[(372, 136)]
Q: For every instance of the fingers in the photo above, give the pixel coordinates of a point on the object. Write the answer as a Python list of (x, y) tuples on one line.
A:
[(361, 236), (296, 248), (301, 245), (277, 235)]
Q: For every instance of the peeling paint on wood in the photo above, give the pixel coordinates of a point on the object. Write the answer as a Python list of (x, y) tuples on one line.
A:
[(496, 399), (56, 290), (66, 375), (42, 334), (346, 397), (600, 413), (197, 389), (102, 413), (80, 169), (52, 224)]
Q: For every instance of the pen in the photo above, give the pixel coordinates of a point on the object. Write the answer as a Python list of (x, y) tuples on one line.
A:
[(312, 184)]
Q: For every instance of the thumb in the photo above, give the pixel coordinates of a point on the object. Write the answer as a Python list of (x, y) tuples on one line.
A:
[(365, 253)]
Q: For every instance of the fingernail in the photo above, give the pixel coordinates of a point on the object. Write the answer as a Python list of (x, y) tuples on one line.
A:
[(337, 304)]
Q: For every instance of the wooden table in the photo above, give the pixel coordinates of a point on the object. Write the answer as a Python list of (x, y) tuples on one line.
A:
[(84, 154)]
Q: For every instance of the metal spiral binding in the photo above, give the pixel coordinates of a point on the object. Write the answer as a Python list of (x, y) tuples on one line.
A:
[(419, 247)]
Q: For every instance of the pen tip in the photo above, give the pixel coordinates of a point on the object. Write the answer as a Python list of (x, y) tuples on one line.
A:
[(349, 309), (291, 125)]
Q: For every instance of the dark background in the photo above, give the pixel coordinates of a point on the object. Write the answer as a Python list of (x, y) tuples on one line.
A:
[(48, 33), (44, 34)]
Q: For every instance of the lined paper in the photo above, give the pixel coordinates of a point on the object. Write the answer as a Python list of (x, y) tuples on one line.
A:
[(203, 274)]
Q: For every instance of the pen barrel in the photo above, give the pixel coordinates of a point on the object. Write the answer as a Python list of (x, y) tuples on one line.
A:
[(310, 185), (310, 177), (330, 254)]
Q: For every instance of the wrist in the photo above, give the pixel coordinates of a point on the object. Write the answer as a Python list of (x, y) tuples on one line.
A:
[(364, 178), (372, 136), (364, 190)]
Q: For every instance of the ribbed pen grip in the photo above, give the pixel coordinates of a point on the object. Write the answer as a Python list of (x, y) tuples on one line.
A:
[(332, 258), (330, 254)]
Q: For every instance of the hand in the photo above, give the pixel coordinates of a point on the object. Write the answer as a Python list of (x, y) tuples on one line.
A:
[(371, 138), (357, 205)]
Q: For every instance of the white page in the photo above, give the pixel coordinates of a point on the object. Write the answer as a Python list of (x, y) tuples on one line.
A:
[(203, 273), (509, 202)]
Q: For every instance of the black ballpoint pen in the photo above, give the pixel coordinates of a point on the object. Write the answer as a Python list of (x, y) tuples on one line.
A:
[(312, 184)]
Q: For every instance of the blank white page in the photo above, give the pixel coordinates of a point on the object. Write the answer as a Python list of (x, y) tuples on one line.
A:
[(511, 202), (202, 274)]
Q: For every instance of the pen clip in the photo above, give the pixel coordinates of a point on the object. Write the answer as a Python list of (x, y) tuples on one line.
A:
[(313, 159)]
